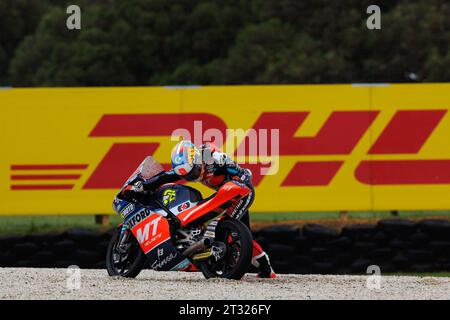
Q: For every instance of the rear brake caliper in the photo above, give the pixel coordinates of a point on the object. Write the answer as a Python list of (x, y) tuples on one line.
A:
[(216, 251)]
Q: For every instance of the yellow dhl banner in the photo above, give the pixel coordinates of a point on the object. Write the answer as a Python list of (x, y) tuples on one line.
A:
[(338, 147)]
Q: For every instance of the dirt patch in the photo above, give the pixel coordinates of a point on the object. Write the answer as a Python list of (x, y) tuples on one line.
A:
[(30, 283)]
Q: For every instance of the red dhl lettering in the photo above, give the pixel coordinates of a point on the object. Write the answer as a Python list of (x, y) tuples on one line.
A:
[(406, 133)]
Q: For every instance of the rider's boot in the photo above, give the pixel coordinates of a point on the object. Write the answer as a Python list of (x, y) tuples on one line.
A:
[(262, 262)]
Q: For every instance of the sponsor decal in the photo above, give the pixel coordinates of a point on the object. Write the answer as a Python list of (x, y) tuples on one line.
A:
[(211, 229), (184, 206), (138, 217), (191, 156), (127, 210), (160, 263), (181, 265), (372, 148), (238, 182), (406, 133), (169, 195), (143, 233), (209, 234)]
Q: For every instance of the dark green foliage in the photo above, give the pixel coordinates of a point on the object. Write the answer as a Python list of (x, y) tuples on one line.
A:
[(185, 42)]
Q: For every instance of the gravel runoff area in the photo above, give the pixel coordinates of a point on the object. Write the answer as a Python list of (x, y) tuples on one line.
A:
[(34, 283)]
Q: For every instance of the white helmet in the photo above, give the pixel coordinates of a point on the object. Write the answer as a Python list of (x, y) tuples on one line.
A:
[(187, 161)]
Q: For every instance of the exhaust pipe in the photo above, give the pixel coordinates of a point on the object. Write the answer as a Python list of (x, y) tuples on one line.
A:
[(197, 247)]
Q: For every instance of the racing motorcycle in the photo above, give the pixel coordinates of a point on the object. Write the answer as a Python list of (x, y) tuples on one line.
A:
[(207, 237)]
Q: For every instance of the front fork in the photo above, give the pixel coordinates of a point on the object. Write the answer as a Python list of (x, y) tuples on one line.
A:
[(122, 245)]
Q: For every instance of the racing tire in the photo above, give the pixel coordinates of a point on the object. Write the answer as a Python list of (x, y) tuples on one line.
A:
[(134, 267), (245, 253)]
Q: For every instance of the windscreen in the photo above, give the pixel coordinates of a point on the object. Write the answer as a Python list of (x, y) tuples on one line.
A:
[(148, 168)]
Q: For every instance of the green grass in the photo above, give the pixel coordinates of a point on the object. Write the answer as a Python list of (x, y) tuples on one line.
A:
[(33, 224), (424, 274), (283, 216)]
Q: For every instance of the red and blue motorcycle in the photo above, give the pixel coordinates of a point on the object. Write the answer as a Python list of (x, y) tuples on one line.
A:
[(207, 239)]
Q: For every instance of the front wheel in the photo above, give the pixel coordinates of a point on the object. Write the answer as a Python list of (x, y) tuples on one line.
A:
[(239, 248), (127, 264)]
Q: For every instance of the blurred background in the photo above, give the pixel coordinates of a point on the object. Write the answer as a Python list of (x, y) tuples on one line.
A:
[(205, 42), (234, 42)]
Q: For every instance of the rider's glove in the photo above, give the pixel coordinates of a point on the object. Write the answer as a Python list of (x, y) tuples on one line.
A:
[(245, 175)]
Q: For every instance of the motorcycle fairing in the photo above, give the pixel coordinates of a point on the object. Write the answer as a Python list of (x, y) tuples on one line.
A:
[(178, 198), (120, 207), (229, 191), (164, 257), (151, 231), (152, 234)]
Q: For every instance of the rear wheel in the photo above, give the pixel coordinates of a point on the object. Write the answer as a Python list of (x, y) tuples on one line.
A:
[(128, 264), (239, 248)]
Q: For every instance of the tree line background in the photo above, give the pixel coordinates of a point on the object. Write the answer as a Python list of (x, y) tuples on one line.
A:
[(185, 42)]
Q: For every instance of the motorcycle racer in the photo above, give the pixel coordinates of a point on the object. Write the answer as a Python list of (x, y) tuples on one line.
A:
[(212, 167)]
